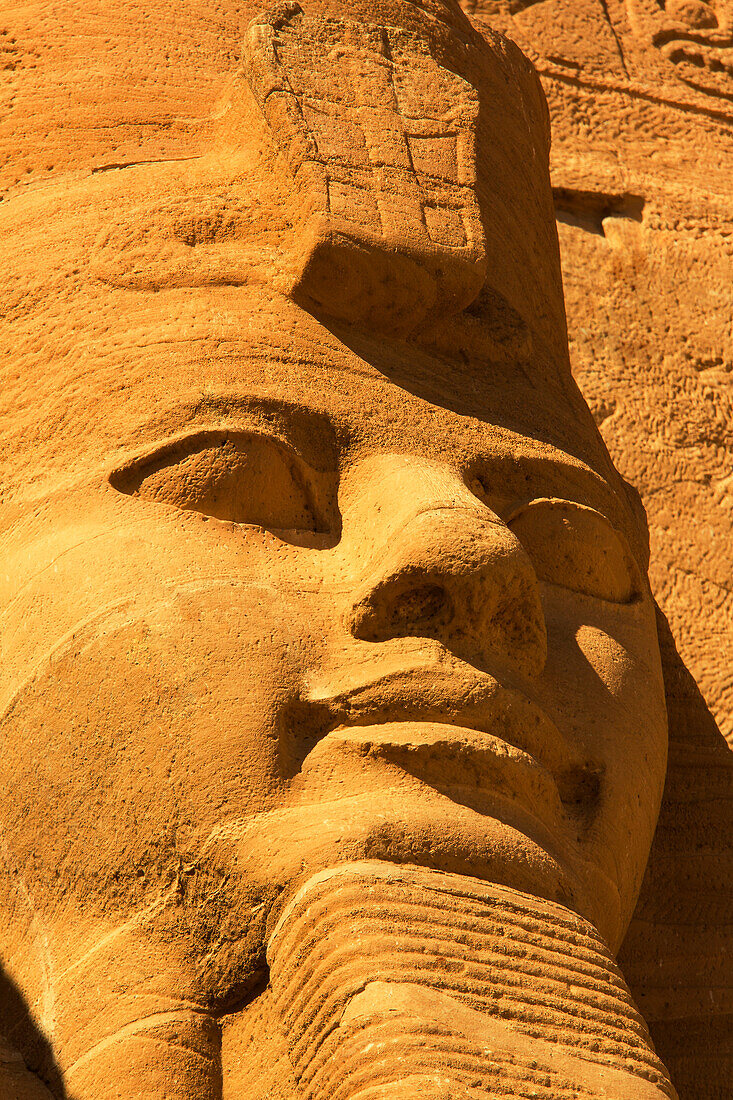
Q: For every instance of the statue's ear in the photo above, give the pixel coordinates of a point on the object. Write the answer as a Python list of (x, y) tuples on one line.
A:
[(634, 498), (193, 239)]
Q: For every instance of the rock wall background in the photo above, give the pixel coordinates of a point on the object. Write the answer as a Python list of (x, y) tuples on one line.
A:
[(641, 99)]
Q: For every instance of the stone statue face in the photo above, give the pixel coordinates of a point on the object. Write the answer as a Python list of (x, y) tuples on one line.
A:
[(320, 612), (281, 593)]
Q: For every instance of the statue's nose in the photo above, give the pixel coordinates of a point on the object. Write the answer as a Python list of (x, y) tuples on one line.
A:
[(442, 565)]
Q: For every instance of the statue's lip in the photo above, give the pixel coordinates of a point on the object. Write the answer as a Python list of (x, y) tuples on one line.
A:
[(465, 735), (469, 766), (471, 709)]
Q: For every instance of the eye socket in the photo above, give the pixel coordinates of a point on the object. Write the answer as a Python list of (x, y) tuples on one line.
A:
[(575, 547), (243, 478)]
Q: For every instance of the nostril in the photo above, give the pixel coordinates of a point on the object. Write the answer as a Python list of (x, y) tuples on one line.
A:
[(420, 610), (427, 605)]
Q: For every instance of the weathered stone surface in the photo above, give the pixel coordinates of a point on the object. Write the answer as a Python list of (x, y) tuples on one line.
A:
[(327, 637), (641, 98)]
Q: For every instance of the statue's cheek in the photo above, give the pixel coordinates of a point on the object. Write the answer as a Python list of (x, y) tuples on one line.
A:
[(137, 736), (603, 688)]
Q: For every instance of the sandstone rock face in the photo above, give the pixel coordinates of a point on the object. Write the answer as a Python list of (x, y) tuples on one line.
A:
[(641, 99), (333, 715), (642, 103)]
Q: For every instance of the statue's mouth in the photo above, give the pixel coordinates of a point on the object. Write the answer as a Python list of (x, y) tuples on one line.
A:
[(465, 735), (411, 756), (468, 766)]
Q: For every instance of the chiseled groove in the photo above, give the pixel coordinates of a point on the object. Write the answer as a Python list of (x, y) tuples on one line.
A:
[(583, 1011), (520, 1083), (585, 1031), (443, 899), (583, 1003), (565, 928), (497, 1091), (607, 1050), (313, 1057), (310, 1058), (591, 966), (367, 1049), (402, 914), (588, 965), (457, 922), (594, 1008), (356, 1066), (478, 946), (496, 898), (479, 957)]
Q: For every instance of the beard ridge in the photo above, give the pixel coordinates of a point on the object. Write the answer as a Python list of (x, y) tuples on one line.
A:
[(393, 982)]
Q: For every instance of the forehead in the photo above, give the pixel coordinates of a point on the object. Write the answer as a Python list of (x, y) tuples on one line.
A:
[(95, 375), (91, 83), (88, 363), (112, 375), (94, 372), (110, 314), (94, 365)]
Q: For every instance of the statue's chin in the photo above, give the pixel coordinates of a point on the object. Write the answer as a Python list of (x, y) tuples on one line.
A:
[(398, 982), (500, 843)]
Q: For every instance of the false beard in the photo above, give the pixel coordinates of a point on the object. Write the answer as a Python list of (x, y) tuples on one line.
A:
[(396, 982)]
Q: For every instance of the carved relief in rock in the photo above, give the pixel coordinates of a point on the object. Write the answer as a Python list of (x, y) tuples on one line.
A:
[(334, 724), (694, 37), (641, 166)]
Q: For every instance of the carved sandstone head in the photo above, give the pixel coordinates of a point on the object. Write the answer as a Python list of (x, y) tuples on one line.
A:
[(283, 586)]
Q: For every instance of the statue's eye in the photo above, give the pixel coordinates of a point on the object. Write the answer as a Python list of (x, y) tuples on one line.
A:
[(577, 548), (239, 477)]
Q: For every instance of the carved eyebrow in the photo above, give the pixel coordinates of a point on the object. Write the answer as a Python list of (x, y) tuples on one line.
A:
[(569, 480), (307, 432), (558, 470), (583, 485), (590, 481)]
